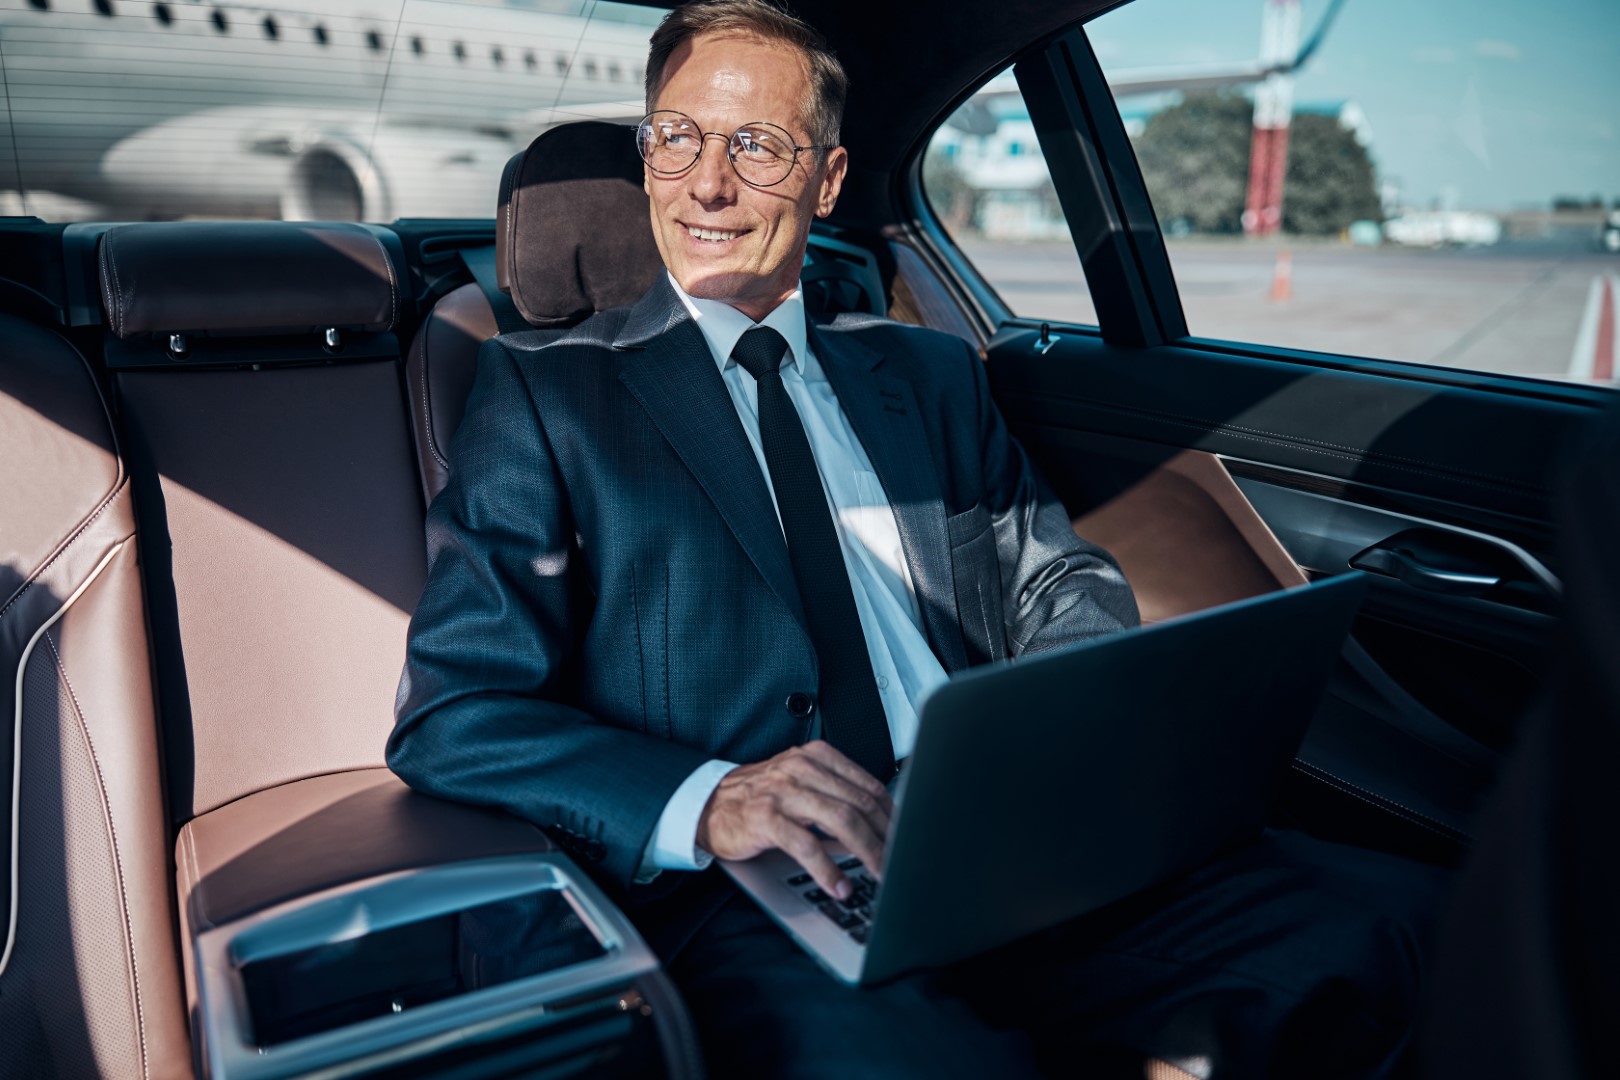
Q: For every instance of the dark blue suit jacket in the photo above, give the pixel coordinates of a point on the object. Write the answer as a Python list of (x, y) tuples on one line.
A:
[(609, 600)]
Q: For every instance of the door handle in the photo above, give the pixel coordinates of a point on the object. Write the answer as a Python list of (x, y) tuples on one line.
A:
[(1407, 568)]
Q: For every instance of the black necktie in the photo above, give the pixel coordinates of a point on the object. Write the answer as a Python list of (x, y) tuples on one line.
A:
[(852, 717)]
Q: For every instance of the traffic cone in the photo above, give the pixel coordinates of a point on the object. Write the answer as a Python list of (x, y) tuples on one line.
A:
[(1282, 278)]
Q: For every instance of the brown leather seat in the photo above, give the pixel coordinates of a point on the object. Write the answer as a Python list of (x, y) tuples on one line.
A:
[(258, 381), (89, 983), (260, 387)]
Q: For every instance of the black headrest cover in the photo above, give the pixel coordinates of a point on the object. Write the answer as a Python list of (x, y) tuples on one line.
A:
[(574, 220), (240, 277)]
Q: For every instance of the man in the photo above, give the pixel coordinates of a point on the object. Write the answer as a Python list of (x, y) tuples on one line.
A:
[(699, 561)]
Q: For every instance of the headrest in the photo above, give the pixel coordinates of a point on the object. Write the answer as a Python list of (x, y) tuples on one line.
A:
[(263, 277), (572, 232)]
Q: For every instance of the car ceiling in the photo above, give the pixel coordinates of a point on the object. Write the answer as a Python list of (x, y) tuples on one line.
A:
[(935, 51)]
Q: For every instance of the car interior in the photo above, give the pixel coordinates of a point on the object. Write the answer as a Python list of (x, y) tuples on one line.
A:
[(222, 437)]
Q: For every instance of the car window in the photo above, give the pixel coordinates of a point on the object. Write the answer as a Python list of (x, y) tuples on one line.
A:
[(985, 177), (1420, 182), (295, 109)]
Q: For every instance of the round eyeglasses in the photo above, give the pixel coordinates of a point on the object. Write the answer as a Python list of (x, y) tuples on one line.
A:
[(763, 154)]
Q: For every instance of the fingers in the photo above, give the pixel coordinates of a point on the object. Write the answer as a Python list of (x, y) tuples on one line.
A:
[(812, 854), (773, 803), (839, 820), (829, 758)]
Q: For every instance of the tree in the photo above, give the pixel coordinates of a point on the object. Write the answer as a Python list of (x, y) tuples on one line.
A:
[(1331, 181), (1195, 159), (948, 190)]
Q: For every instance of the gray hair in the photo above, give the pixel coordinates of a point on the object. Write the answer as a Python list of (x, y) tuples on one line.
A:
[(824, 111)]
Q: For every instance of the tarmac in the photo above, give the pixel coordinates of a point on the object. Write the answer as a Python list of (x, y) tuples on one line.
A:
[(1542, 308)]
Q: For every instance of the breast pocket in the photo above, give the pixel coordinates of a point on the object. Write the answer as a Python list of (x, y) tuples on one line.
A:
[(976, 577)]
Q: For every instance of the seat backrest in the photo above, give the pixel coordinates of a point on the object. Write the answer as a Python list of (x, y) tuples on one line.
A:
[(89, 984), (259, 387), (572, 239)]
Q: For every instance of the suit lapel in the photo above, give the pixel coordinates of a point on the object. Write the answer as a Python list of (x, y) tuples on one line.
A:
[(674, 377), (883, 412)]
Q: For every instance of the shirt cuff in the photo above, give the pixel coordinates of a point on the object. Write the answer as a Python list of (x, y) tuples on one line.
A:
[(674, 841)]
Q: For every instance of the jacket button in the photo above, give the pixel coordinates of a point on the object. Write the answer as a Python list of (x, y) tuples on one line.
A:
[(800, 704)]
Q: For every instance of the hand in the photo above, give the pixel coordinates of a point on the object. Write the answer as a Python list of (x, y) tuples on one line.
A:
[(772, 804)]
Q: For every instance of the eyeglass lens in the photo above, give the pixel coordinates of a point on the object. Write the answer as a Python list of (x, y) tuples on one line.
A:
[(762, 154)]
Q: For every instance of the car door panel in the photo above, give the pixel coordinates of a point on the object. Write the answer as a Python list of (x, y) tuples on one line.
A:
[(1438, 483)]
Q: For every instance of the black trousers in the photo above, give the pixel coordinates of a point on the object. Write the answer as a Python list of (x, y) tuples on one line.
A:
[(1290, 958)]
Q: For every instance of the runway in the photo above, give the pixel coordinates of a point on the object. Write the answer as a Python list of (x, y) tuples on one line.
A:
[(1541, 308)]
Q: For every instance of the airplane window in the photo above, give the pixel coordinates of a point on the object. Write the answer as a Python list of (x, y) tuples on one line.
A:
[(560, 62), (987, 181), (496, 57), (590, 69), (529, 61), (416, 46), (104, 7), (220, 22), (374, 41), (40, 5), (1441, 202), (614, 72), (271, 30), (320, 34), (459, 51), (163, 14)]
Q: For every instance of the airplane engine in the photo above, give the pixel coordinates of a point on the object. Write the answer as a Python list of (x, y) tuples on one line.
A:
[(409, 170), (334, 180)]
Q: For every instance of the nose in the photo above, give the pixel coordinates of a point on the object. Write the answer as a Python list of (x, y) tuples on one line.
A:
[(712, 178)]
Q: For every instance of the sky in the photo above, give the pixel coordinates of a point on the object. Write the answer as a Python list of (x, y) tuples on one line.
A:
[(1473, 104)]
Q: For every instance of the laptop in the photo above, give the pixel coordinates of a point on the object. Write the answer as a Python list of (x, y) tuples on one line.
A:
[(1043, 789)]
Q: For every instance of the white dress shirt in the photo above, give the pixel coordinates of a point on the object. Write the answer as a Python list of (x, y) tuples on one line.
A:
[(886, 600)]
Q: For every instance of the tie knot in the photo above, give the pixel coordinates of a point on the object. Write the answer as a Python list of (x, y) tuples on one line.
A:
[(760, 350)]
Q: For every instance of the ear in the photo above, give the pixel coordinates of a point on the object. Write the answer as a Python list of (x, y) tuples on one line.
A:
[(832, 180)]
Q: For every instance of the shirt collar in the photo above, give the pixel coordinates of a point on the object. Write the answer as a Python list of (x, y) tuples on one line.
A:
[(723, 324)]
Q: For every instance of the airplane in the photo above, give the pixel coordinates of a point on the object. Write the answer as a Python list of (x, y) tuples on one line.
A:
[(461, 86)]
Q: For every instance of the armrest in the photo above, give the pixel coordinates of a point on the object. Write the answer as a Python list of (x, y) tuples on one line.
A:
[(311, 835), (344, 924)]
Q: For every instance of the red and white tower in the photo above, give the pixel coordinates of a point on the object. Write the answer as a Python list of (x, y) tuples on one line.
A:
[(1273, 107)]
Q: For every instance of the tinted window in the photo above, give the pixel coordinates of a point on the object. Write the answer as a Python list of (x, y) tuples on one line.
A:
[(1432, 183), (984, 175)]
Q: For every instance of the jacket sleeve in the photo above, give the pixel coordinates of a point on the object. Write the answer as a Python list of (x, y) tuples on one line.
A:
[(1055, 587), (483, 713)]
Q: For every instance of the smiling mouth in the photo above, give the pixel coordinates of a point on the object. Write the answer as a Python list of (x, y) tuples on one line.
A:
[(713, 236)]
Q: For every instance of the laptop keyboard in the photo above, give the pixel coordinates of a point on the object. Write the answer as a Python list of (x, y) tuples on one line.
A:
[(853, 916)]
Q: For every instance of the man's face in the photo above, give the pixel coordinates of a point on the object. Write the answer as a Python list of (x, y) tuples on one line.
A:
[(757, 235)]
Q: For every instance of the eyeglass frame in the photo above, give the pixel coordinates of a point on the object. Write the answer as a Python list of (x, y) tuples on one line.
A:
[(731, 155)]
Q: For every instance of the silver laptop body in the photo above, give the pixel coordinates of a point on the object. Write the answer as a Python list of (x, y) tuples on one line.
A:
[(1046, 788)]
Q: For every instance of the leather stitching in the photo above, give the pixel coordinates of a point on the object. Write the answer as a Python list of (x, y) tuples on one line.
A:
[(393, 291), (1388, 461), (1373, 798), (427, 410), (109, 277), (59, 552), (118, 862)]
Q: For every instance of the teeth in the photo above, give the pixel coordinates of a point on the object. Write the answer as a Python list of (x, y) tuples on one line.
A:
[(712, 234)]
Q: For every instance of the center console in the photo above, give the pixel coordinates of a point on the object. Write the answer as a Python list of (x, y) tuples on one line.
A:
[(412, 938)]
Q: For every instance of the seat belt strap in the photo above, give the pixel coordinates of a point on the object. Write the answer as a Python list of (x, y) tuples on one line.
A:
[(481, 262)]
